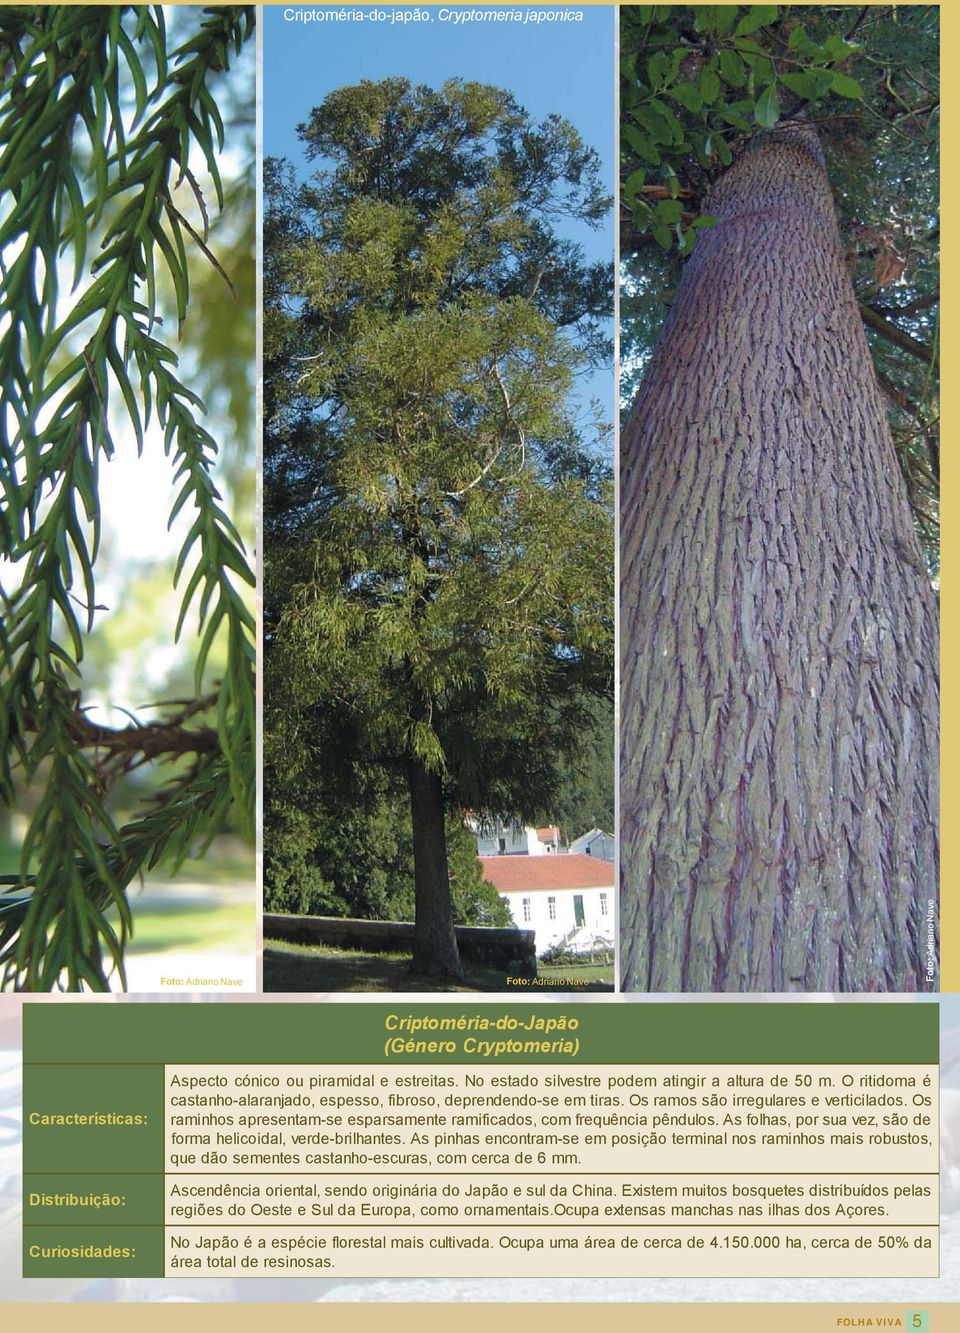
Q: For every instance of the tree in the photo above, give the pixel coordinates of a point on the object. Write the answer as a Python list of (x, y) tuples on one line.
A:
[(108, 126), (439, 535), (336, 847), (779, 819), (587, 795)]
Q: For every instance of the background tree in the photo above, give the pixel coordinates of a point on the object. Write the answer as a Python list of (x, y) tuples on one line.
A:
[(351, 855), (779, 824), (587, 795), (438, 527), (110, 142)]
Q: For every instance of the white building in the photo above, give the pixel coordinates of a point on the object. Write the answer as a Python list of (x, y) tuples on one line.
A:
[(566, 900), (595, 843), (498, 839)]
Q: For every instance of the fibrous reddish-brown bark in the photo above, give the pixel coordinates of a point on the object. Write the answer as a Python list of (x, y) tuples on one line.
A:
[(779, 753)]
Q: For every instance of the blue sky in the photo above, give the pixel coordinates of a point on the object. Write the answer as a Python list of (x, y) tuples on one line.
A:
[(566, 68)]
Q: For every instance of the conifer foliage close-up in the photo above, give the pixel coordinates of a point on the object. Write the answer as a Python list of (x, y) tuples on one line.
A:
[(112, 140)]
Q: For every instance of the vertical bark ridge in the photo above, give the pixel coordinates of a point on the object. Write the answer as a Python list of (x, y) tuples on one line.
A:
[(779, 635)]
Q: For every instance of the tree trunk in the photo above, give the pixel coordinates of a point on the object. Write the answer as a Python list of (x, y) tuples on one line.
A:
[(435, 945), (779, 807)]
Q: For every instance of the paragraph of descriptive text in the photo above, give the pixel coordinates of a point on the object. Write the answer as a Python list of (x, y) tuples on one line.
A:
[(597, 1171)]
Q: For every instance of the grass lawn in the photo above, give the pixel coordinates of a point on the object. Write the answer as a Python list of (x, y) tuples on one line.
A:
[(581, 973), (302, 967), (193, 927), (227, 861)]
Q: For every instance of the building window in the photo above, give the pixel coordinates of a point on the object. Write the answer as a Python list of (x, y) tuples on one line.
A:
[(603, 904), (552, 908), (526, 909)]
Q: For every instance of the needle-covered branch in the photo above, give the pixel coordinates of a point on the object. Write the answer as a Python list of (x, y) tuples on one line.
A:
[(100, 118)]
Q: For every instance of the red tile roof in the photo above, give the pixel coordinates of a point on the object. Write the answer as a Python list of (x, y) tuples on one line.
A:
[(526, 874)]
